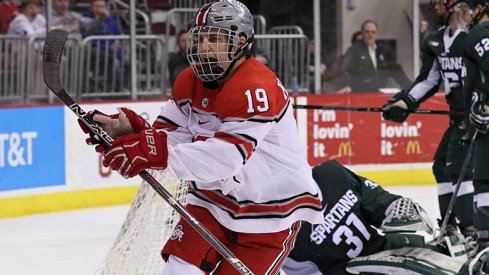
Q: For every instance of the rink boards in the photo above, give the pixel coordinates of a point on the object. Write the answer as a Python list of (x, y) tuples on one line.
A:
[(46, 166)]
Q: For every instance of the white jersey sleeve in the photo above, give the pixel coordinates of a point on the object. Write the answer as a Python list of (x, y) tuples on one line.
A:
[(242, 154)]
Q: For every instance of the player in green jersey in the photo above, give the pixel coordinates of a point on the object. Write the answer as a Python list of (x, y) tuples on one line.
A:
[(476, 90), (442, 62)]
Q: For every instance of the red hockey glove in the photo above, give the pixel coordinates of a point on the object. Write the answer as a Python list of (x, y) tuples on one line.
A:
[(116, 125), (133, 153), (93, 139)]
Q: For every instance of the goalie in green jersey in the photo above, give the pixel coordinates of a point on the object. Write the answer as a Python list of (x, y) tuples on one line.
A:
[(367, 229)]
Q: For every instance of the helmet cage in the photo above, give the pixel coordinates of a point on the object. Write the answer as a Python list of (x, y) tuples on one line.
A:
[(209, 58), (209, 54)]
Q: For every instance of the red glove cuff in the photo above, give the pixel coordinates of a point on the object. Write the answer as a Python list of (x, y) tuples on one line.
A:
[(138, 123)]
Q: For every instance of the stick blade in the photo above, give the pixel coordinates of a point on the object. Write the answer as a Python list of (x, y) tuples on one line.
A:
[(53, 49)]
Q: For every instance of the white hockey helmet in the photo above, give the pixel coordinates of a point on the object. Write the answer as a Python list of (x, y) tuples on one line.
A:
[(230, 18)]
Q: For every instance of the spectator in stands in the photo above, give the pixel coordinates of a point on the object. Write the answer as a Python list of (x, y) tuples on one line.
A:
[(29, 22), (368, 65), (178, 60), (106, 55), (8, 10), (110, 26), (336, 75), (72, 21)]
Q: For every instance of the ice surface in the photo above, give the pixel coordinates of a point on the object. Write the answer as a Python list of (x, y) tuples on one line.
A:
[(76, 242)]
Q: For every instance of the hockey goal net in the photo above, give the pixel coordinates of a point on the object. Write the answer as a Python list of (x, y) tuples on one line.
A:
[(148, 225)]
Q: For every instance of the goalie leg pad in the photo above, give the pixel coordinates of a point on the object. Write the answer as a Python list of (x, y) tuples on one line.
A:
[(408, 260), (399, 240)]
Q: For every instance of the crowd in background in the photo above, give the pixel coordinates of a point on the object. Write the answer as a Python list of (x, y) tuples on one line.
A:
[(366, 66)]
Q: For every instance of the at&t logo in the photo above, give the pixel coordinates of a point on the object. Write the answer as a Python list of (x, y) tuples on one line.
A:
[(16, 149)]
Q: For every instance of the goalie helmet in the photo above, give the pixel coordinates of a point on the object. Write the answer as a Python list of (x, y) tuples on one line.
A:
[(212, 47)]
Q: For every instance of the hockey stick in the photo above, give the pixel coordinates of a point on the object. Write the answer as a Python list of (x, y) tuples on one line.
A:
[(465, 164), (371, 109), (53, 49)]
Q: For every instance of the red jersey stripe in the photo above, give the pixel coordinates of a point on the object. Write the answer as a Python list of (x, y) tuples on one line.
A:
[(288, 246), (245, 143), (241, 210), (158, 124)]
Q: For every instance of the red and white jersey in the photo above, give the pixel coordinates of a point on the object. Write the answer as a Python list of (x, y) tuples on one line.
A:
[(239, 146)]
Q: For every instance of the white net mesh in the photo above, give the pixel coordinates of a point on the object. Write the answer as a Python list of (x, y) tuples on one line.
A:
[(148, 225)]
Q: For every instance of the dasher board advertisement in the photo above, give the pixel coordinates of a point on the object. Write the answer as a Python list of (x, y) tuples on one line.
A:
[(32, 147)]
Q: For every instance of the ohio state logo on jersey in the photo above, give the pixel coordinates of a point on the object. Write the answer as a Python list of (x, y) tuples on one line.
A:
[(205, 102), (177, 233)]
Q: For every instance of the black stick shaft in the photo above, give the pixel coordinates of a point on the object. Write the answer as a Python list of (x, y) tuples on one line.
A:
[(369, 109)]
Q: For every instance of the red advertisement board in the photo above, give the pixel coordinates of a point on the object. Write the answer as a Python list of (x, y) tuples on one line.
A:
[(365, 138)]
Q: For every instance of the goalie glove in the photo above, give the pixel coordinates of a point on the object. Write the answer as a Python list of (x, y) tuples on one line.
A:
[(133, 153), (116, 125), (405, 215), (479, 112), (399, 106)]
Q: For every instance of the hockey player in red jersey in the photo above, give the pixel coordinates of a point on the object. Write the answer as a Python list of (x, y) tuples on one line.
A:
[(229, 129)]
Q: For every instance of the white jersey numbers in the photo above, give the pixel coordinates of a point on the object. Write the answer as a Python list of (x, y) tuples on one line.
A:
[(349, 238), (261, 103), (260, 96), (482, 46), (451, 81)]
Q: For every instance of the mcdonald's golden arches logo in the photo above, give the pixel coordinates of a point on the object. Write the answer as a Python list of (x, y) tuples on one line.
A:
[(344, 149), (413, 147)]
